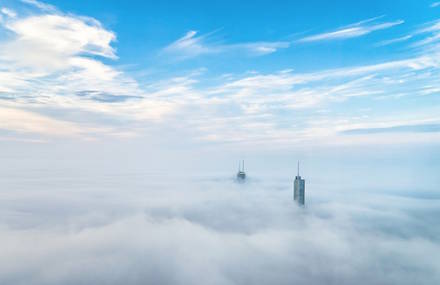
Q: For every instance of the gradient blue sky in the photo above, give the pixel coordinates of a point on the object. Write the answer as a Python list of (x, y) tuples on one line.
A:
[(250, 75)]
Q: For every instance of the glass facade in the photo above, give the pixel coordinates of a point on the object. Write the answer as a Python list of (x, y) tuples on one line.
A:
[(299, 186)]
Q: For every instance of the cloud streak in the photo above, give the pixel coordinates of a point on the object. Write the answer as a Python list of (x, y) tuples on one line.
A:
[(192, 45), (40, 5), (8, 12), (422, 128), (394, 41), (355, 30)]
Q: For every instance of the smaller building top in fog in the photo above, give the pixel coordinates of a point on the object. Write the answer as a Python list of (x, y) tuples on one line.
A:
[(241, 175)]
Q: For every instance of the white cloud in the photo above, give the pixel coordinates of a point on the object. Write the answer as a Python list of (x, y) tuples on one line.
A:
[(52, 60), (21, 121), (268, 100), (393, 41), (49, 41), (192, 45), (355, 30), (8, 12), (430, 43), (435, 4), (40, 5), (260, 48)]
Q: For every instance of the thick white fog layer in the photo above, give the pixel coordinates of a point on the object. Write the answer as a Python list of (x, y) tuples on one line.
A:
[(139, 227)]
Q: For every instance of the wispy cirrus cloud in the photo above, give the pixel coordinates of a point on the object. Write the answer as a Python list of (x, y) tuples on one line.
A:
[(412, 128), (192, 45), (40, 5), (435, 4), (393, 41), (352, 31), (430, 41), (8, 12), (259, 108)]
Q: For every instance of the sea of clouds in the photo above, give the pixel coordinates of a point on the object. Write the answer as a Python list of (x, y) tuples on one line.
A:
[(166, 228)]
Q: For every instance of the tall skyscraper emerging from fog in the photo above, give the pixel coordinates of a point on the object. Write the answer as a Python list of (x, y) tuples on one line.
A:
[(299, 187)]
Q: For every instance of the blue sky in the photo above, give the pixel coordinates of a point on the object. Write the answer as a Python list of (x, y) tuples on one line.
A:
[(248, 74), (144, 28)]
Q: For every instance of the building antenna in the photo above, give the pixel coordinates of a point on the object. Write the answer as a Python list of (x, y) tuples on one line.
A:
[(243, 165), (298, 168)]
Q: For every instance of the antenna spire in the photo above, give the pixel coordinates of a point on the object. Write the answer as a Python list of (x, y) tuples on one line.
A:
[(243, 165), (298, 168)]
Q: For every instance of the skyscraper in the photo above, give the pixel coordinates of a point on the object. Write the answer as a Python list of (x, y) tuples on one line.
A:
[(299, 187), (241, 175)]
